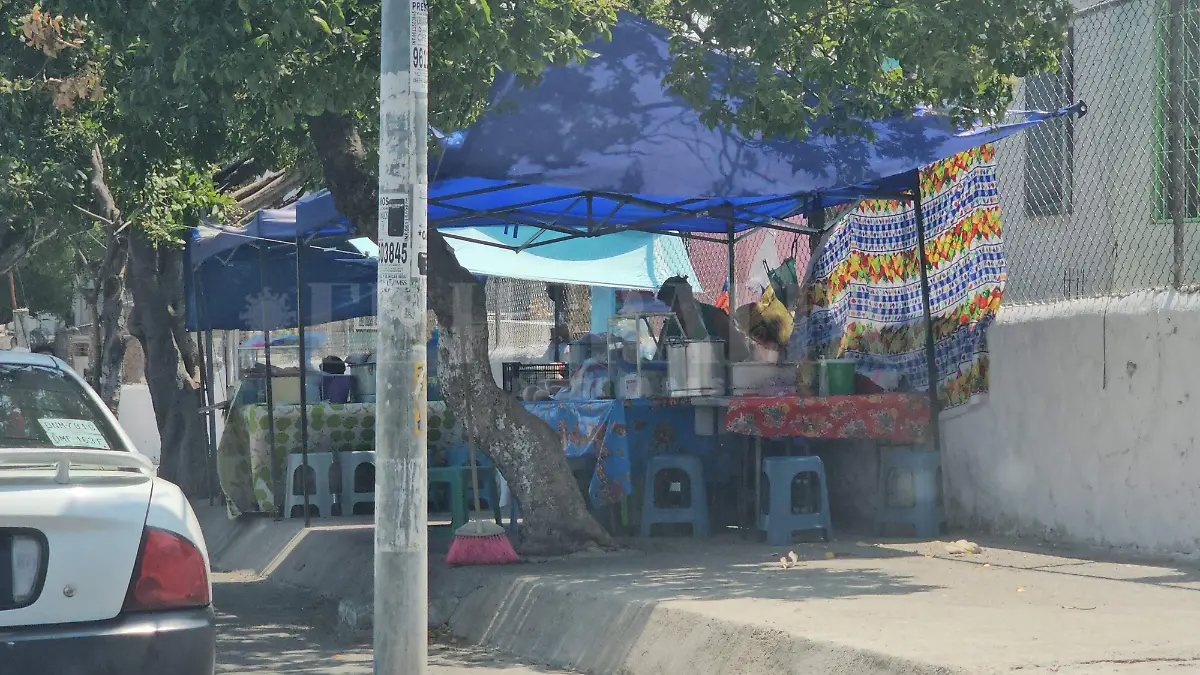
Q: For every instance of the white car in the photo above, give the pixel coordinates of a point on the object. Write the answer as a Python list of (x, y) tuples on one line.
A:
[(103, 568)]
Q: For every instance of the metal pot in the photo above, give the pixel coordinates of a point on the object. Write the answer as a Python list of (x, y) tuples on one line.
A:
[(695, 368), (364, 381)]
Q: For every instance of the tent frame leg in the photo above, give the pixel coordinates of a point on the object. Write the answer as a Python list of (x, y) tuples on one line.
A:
[(930, 342), (303, 379)]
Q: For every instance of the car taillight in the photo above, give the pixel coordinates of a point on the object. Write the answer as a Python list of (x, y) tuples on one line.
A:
[(170, 574)]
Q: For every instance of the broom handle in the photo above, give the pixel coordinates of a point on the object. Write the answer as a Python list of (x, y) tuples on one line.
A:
[(474, 475), (467, 429)]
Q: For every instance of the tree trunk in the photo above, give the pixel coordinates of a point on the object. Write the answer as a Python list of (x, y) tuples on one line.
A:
[(528, 453), (172, 362), (108, 356)]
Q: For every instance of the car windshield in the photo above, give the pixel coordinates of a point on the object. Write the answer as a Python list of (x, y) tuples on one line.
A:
[(41, 407)]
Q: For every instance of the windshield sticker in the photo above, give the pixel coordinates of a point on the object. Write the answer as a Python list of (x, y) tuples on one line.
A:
[(74, 434)]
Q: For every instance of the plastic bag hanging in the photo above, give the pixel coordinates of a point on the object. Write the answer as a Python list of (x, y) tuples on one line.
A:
[(785, 280)]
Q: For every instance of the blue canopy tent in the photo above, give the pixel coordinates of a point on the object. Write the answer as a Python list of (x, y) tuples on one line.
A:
[(598, 148)]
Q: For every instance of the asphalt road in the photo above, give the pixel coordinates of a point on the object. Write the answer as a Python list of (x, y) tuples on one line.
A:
[(266, 628)]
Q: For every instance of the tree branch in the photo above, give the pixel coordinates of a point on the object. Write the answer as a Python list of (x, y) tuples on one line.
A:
[(101, 195)]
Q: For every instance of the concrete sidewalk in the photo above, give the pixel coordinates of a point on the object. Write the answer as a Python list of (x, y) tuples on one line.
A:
[(727, 607)]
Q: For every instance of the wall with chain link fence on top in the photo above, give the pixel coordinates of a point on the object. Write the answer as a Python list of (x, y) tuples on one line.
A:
[(1110, 203)]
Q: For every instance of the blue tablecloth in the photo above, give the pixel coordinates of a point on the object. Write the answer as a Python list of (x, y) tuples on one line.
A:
[(622, 435)]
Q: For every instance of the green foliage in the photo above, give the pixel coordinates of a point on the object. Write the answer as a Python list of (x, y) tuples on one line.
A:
[(264, 68), (799, 60), (257, 70), (60, 97), (45, 283), (42, 74)]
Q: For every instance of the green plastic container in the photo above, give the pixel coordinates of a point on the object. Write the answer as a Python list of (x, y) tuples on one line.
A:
[(837, 377)]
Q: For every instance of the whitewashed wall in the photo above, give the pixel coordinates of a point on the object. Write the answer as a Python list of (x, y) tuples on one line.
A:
[(1090, 430)]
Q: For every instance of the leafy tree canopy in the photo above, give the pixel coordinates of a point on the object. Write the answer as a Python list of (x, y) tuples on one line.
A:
[(273, 65)]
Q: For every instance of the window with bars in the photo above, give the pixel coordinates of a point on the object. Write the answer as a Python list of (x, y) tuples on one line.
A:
[(1178, 110), (1050, 147)]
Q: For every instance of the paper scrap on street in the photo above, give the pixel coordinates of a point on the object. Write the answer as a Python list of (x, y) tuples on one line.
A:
[(963, 547)]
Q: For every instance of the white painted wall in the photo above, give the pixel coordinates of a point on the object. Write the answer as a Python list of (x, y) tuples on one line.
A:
[(1090, 430), (136, 415)]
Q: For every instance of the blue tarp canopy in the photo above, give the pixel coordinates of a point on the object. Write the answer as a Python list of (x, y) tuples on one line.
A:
[(269, 226), (635, 260), (253, 286), (598, 147)]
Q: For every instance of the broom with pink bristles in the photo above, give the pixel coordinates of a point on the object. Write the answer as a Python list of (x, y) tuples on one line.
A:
[(479, 542)]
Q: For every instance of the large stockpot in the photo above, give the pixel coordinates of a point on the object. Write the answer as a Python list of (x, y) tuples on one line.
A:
[(363, 375), (695, 368)]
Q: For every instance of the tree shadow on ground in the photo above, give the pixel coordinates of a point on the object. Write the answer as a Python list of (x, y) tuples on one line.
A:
[(270, 628), (266, 627)]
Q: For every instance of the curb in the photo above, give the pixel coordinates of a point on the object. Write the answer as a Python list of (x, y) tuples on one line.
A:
[(556, 624)]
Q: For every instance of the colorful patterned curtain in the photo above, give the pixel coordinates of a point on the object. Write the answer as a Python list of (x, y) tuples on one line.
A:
[(865, 289)]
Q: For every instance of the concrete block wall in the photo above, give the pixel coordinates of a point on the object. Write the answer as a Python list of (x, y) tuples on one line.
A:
[(1089, 433)]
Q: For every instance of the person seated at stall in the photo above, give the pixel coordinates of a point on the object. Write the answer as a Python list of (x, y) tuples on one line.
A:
[(560, 336)]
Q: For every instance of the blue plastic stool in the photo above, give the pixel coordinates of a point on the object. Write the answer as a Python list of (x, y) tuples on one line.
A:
[(926, 513), (775, 515), (514, 514), (695, 514)]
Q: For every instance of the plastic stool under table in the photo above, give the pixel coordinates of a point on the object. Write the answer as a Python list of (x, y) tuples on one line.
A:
[(926, 513), (351, 463), (322, 496), (695, 514), (777, 518)]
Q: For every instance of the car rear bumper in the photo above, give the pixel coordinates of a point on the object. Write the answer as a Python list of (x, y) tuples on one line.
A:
[(167, 643)]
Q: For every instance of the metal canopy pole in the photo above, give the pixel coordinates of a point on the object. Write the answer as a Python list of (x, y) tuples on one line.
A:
[(816, 219), (732, 275), (1176, 135), (205, 350), (401, 642), (930, 344), (303, 376), (212, 403), (205, 384), (277, 474)]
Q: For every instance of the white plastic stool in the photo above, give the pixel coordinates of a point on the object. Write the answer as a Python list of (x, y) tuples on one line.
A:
[(505, 492), (350, 463), (322, 496), (507, 500)]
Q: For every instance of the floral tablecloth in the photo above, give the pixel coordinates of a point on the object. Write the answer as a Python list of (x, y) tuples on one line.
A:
[(622, 435), (898, 418), (244, 455)]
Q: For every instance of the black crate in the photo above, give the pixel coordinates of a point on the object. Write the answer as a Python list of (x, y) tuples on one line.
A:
[(516, 375)]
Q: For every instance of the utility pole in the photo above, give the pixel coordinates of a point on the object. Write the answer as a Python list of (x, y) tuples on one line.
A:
[(401, 562)]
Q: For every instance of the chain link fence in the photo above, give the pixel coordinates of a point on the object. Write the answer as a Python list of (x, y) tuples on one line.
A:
[(1109, 203)]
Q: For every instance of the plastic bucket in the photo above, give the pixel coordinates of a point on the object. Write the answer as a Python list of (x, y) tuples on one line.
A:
[(837, 377)]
